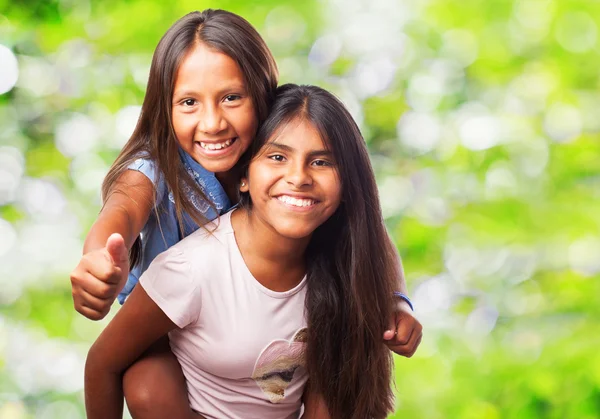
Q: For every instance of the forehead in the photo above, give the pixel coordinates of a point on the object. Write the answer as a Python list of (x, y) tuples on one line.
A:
[(204, 68), (299, 134)]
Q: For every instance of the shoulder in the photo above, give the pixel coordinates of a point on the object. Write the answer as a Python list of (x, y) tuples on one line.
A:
[(207, 244), (213, 235), (149, 168), (173, 260), (174, 286)]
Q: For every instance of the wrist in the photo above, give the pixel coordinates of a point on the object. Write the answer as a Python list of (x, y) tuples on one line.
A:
[(404, 297)]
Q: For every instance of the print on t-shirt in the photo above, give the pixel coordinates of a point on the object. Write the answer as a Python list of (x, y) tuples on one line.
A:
[(275, 367)]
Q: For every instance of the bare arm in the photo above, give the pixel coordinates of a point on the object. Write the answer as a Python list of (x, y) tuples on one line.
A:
[(125, 211), (104, 267), (138, 324), (395, 256), (405, 332)]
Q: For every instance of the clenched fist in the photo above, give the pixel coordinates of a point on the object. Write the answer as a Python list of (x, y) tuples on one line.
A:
[(405, 332), (99, 277)]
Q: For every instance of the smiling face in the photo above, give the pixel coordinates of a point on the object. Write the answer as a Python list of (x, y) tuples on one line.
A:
[(212, 112), (293, 181)]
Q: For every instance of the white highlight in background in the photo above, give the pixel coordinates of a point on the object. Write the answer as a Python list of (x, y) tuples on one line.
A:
[(41, 197), (77, 135), (374, 76), (459, 45), (576, 32), (419, 131), (477, 128), (125, 121), (9, 70), (325, 50), (11, 170), (481, 321), (583, 255), (396, 193), (563, 122), (88, 172), (38, 76), (8, 237)]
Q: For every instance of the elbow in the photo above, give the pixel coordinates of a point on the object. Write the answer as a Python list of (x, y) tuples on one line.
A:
[(92, 362), (96, 365)]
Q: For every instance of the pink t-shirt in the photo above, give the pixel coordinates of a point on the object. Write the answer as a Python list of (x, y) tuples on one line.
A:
[(240, 345)]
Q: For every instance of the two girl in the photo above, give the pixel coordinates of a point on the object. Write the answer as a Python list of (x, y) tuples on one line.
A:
[(211, 84), (294, 286)]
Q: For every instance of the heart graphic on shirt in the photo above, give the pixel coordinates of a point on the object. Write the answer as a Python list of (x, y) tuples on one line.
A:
[(275, 367)]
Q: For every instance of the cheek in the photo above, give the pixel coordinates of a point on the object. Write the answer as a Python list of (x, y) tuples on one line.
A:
[(247, 123), (334, 191), (182, 124), (260, 179)]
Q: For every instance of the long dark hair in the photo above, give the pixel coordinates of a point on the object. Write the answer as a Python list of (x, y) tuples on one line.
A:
[(351, 265), (154, 135)]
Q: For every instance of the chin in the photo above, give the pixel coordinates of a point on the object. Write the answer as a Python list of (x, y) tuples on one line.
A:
[(217, 166), (295, 233)]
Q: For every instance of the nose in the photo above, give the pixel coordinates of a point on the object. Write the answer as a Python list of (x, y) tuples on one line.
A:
[(298, 175), (211, 120)]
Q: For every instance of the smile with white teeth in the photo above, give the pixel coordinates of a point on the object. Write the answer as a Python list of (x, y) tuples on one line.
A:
[(216, 146), (296, 202)]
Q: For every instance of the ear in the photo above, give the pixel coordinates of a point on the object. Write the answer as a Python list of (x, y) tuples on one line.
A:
[(244, 185)]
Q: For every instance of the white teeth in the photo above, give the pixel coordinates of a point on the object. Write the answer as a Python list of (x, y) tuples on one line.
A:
[(296, 202), (217, 146)]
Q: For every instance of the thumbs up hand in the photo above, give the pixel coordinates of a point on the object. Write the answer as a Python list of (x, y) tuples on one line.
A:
[(99, 277)]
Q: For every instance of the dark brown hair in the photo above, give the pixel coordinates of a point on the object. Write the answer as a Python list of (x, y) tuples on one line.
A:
[(154, 136), (352, 266)]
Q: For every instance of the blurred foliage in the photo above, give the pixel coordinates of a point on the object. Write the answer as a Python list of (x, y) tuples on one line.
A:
[(483, 125)]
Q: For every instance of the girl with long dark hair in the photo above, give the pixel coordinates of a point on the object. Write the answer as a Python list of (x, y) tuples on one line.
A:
[(281, 302)]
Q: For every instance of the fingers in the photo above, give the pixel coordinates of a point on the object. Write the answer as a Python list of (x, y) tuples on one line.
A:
[(115, 246), (408, 337), (391, 329), (92, 297), (91, 307), (405, 329), (91, 314), (96, 288), (101, 266)]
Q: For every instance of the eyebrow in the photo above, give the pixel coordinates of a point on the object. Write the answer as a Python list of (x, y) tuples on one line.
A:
[(312, 153), (234, 88)]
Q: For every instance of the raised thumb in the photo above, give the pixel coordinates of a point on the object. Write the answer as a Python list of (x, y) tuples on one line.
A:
[(115, 245)]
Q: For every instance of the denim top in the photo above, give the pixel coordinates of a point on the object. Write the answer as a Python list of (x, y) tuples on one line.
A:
[(162, 229)]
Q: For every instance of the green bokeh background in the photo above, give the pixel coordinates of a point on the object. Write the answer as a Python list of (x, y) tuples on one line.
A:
[(483, 121)]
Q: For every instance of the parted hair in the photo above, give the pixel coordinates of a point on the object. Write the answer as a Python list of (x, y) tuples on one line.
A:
[(351, 264), (154, 136)]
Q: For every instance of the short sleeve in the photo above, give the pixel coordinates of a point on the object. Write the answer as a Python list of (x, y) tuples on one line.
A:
[(172, 286), (148, 168)]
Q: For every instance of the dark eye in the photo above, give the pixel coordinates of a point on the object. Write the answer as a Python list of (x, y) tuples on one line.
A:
[(189, 102), (277, 157), (231, 98), (322, 163)]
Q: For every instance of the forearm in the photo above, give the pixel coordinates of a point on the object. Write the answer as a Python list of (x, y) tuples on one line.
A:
[(395, 257), (136, 326), (103, 390), (125, 211), (113, 220)]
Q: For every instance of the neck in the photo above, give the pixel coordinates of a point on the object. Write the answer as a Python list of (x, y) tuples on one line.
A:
[(276, 262)]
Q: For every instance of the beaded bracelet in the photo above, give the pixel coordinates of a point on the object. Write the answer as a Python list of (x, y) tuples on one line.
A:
[(405, 298)]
